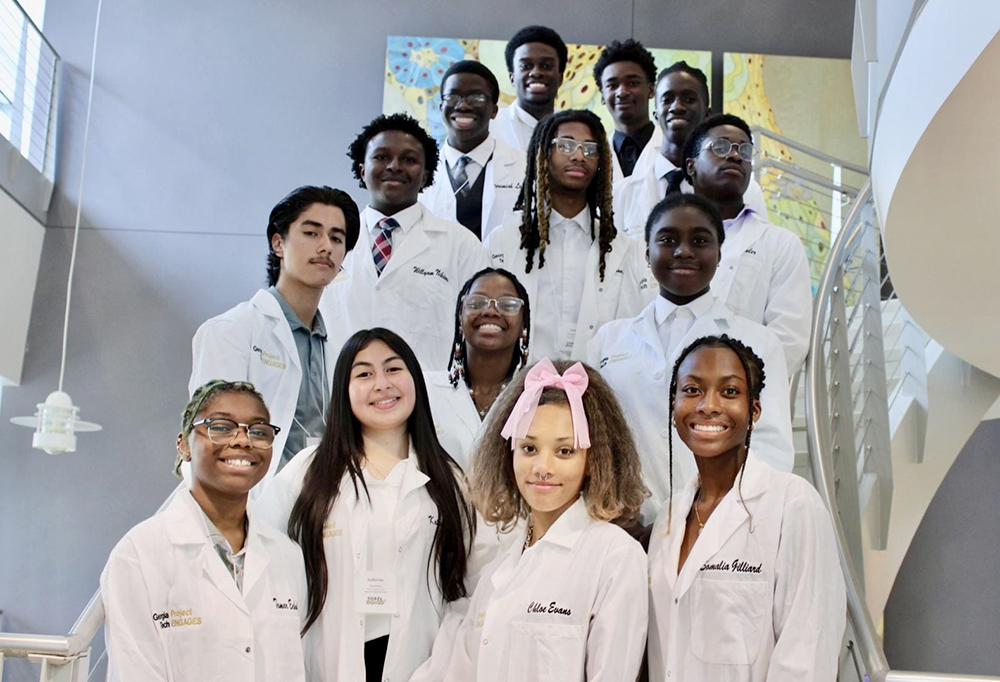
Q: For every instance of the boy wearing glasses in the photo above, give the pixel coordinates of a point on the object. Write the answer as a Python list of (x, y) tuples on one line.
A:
[(278, 339), (680, 103), (536, 59), (578, 270), (478, 177)]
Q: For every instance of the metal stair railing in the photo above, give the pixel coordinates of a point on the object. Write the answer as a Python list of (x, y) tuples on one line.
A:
[(847, 407)]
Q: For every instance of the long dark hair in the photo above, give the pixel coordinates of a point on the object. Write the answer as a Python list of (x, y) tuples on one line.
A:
[(535, 200), (457, 371), (340, 453)]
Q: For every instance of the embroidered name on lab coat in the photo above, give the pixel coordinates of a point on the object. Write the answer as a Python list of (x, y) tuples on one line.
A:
[(269, 359), (537, 607), (287, 605), (330, 530), (437, 271), (176, 618), (507, 185), (751, 251), (617, 357), (736, 566)]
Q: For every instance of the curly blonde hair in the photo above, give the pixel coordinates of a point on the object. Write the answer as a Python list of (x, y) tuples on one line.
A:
[(613, 489)]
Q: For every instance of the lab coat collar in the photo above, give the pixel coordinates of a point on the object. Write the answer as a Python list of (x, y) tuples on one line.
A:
[(699, 307), (460, 395), (268, 305), (727, 518), (746, 229), (406, 218), (662, 165), (644, 326), (581, 219), (523, 116), (568, 527)]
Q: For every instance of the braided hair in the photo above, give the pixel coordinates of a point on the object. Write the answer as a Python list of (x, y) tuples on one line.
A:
[(753, 368), (457, 370), (535, 201)]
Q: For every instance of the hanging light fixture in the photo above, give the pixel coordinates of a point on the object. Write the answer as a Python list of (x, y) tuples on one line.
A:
[(56, 422)]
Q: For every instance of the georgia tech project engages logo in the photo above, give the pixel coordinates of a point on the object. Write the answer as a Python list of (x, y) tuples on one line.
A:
[(176, 618)]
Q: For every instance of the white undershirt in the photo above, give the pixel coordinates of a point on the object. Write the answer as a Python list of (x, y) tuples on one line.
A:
[(561, 284), (477, 158), (674, 321), (382, 536)]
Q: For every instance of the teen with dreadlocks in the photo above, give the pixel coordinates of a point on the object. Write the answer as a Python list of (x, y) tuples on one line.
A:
[(764, 274), (745, 580), (491, 344), (683, 245), (579, 271)]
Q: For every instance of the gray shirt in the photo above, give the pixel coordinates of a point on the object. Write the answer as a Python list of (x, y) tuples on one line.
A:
[(310, 409)]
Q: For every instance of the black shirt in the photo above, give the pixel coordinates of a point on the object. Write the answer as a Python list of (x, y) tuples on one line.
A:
[(629, 147)]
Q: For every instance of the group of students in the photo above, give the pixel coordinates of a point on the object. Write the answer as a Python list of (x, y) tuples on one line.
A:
[(497, 425)]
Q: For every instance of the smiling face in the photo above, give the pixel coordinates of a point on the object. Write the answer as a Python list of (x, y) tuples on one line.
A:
[(683, 253), (393, 171), (226, 470), (626, 91), (712, 409), (488, 329), (572, 173), (468, 124), (680, 106), (381, 389), (549, 471), (536, 77), (313, 248), (720, 178)]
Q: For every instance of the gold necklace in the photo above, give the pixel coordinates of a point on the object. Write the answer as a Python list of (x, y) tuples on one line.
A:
[(697, 516), (531, 532), (379, 476), (486, 410)]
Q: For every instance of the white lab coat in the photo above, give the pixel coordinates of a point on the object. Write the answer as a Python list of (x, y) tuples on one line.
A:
[(173, 611), (501, 188), (456, 418), (630, 357), (416, 294), (644, 164), (636, 195), (514, 126), (253, 342), (336, 640), (764, 277), (623, 293), (767, 605), (571, 608)]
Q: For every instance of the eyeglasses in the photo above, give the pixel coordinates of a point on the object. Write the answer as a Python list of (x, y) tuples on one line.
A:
[(506, 305), (223, 431), (568, 146), (476, 99), (721, 147)]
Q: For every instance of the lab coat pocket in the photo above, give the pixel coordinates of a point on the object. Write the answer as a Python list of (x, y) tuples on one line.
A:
[(547, 651), (726, 620), (748, 273)]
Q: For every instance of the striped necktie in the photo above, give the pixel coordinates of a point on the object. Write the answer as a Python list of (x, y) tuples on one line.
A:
[(382, 248), (460, 178)]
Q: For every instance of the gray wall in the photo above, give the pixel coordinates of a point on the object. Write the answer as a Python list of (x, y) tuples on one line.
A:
[(943, 613), (203, 117)]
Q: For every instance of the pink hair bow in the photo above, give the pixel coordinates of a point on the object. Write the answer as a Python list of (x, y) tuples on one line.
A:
[(573, 381)]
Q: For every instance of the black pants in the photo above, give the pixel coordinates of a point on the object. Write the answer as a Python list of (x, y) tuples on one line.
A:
[(375, 658)]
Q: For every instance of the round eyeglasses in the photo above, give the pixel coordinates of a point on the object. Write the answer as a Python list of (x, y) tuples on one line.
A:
[(505, 305), (568, 146), (476, 99), (722, 147), (222, 431)]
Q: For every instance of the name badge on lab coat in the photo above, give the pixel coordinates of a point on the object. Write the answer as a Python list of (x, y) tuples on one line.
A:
[(375, 592)]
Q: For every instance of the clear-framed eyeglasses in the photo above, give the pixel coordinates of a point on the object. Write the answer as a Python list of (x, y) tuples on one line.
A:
[(722, 147), (505, 305), (222, 431), (568, 146), (476, 99)]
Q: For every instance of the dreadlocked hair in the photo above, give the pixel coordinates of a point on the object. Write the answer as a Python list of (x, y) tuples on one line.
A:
[(535, 201), (753, 369), (457, 369)]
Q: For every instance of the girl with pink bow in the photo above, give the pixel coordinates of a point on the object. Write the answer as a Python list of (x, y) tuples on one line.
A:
[(557, 467)]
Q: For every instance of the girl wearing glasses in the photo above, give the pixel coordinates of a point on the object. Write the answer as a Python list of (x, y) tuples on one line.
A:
[(763, 275), (204, 590), (491, 344), (744, 577), (379, 511), (567, 601), (578, 270)]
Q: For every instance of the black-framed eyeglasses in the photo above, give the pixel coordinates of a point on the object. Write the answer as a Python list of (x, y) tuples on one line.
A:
[(722, 146), (505, 305), (476, 99), (222, 431), (568, 146)]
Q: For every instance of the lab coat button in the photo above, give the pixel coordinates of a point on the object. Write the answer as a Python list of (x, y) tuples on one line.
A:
[(658, 375), (591, 326), (665, 433), (400, 550), (675, 600), (248, 649), (378, 287), (601, 290), (668, 673), (485, 642)]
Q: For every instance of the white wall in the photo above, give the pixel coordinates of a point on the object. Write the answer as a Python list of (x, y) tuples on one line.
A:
[(22, 237)]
